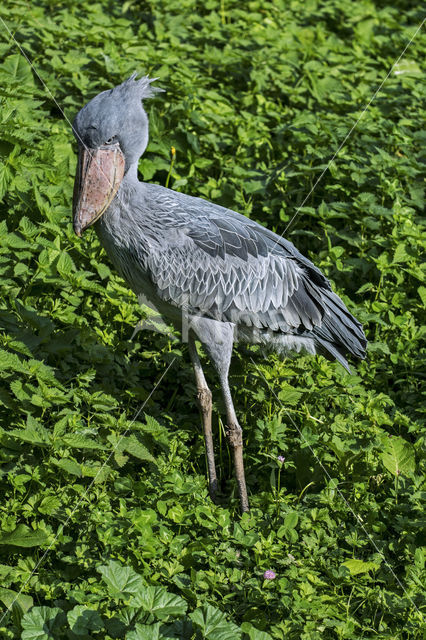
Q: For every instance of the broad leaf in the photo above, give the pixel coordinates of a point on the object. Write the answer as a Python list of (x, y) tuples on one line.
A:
[(137, 449), (77, 441), (359, 566), (122, 582), (11, 598), (290, 521), (68, 465), (213, 624), (253, 633), (146, 632), (82, 620), (398, 456), (179, 630), (17, 69), (159, 602), (42, 623), (23, 536)]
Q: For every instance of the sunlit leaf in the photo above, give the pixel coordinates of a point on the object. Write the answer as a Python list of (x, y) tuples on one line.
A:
[(23, 536), (121, 581), (42, 623), (398, 456), (159, 602), (213, 624), (359, 566)]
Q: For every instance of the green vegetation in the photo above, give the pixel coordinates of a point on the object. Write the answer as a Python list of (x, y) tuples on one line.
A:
[(106, 528)]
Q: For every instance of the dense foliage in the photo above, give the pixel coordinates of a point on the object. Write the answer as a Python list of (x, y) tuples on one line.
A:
[(106, 528)]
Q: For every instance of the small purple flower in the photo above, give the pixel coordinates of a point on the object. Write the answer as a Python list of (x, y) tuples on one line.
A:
[(281, 459), (269, 575)]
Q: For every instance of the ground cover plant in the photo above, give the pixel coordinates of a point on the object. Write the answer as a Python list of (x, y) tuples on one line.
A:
[(106, 528)]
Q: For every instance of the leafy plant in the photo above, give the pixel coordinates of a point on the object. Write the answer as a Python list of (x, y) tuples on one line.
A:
[(106, 528)]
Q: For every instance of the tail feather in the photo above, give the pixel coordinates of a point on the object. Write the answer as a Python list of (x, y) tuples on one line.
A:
[(328, 348), (340, 334)]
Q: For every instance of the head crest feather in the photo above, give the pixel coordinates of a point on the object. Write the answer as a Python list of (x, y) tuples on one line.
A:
[(140, 88)]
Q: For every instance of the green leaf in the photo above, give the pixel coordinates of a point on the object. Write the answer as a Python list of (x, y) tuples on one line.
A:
[(137, 449), (27, 227), (179, 630), (159, 602), (5, 179), (176, 513), (42, 623), (122, 582), (82, 620), (382, 347), (401, 254), (398, 455), (253, 633), (290, 521), (34, 433), (213, 624), (49, 505), (359, 566), (17, 70), (11, 598), (11, 361), (68, 465), (419, 558), (23, 536), (289, 395), (65, 264), (146, 632), (77, 441), (422, 293), (407, 67)]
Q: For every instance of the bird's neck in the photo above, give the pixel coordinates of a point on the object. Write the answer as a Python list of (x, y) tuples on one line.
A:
[(131, 175)]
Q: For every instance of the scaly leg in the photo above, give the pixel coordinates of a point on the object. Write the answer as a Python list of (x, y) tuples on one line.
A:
[(218, 338), (204, 396), (235, 439)]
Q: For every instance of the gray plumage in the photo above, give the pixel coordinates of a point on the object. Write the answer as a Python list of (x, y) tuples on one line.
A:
[(181, 251), (222, 268)]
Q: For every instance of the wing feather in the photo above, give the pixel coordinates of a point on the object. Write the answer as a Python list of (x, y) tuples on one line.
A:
[(230, 268)]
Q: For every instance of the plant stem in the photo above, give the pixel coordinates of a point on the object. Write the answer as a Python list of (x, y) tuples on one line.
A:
[(173, 152)]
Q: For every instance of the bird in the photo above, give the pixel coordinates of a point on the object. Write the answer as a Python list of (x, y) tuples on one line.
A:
[(205, 268)]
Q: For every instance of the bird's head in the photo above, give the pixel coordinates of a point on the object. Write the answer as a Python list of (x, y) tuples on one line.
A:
[(112, 134)]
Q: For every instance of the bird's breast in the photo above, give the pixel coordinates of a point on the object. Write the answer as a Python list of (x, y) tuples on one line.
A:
[(129, 249)]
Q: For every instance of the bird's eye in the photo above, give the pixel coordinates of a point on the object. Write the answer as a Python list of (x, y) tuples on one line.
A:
[(110, 140)]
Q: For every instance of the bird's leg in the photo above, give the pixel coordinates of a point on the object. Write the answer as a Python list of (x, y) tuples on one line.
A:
[(204, 396), (235, 438), (218, 339)]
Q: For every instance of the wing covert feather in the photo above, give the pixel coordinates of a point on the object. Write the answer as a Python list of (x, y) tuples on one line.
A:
[(267, 292), (216, 262), (228, 267)]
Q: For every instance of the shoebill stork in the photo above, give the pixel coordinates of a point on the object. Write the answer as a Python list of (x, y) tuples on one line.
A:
[(229, 276)]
